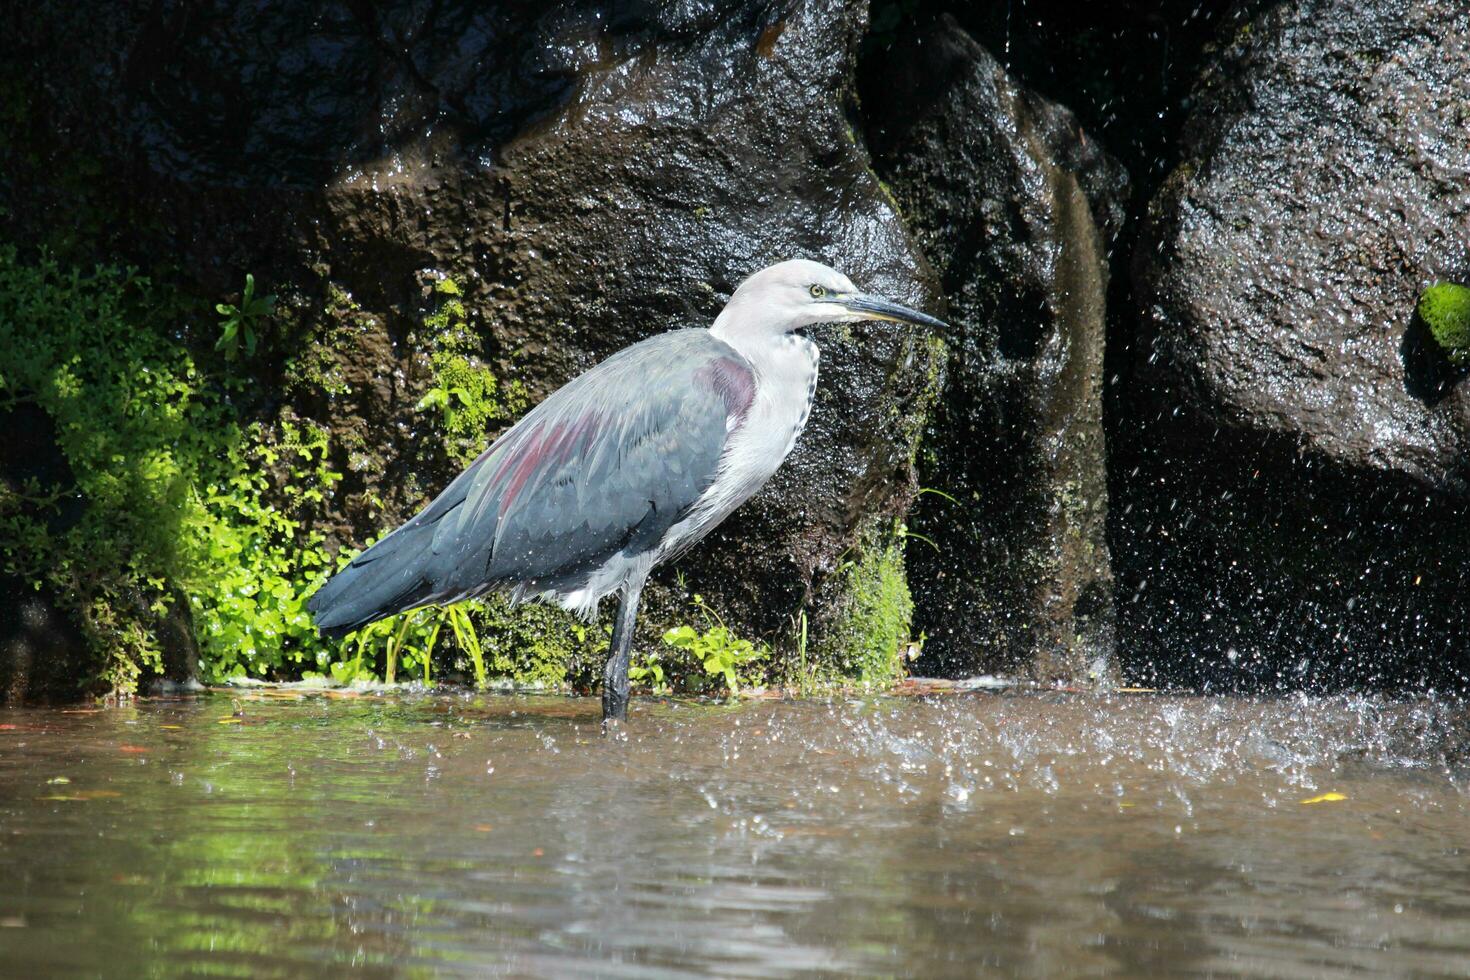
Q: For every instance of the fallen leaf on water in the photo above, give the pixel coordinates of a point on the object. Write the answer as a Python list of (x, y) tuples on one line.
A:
[(1326, 798), (229, 721), (9, 728), (537, 852), (132, 749), (86, 794), (57, 781), (172, 728), (484, 828), (12, 922)]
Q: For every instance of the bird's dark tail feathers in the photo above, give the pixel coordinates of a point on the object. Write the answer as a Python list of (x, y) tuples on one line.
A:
[(387, 578)]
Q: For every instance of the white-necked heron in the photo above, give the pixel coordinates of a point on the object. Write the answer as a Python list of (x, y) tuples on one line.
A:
[(623, 468)]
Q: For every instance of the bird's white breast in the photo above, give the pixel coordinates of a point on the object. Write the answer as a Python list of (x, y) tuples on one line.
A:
[(785, 386)]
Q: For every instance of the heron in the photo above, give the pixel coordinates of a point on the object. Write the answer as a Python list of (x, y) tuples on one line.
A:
[(624, 468)]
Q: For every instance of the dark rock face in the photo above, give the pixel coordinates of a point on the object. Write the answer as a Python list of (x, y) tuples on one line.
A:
[(1325, 185), (38, 647), (565, 166), (1015, 207), (1302, 487)]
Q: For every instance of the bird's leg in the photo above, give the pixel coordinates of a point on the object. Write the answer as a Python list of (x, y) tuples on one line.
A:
[(615, 675)]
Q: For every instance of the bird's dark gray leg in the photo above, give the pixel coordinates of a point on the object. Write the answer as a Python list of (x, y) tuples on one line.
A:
[(615, 676)]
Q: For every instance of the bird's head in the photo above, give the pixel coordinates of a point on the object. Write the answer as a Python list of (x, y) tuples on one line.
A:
[(798, 293)]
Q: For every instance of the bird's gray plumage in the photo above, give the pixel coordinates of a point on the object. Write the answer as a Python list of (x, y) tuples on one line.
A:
[(606, 465)]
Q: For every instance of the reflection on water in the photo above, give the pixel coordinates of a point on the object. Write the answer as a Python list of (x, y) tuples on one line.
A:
[(1038, 834)]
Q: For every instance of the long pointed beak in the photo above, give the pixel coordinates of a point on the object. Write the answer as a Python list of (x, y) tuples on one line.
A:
[(877, 308)]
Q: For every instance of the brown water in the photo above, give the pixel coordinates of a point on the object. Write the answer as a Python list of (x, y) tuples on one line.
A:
[(954, 835)]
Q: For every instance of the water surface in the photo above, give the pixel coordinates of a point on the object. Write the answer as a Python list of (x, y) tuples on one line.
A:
[(277, 833)]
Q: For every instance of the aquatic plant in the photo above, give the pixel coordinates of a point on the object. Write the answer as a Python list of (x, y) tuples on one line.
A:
[(647, 670)]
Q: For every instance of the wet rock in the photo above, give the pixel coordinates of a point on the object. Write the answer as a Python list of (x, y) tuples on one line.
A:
[(589, 174), (1015, 207), (1296, 456), (1324, 186), (39, 647)]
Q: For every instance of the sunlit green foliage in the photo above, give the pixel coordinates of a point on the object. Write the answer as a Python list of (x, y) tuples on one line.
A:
[(712, 657), (261, 559), (170, 485)]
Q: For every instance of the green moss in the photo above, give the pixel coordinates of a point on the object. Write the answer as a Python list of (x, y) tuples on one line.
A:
[(536, 645), (472, 403), (1445, 310), (866, 640), (332, 338)]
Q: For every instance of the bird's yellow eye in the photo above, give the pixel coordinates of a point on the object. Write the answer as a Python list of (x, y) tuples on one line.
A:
[(818, 291)]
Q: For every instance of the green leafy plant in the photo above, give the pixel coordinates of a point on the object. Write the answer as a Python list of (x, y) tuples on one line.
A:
[(171, 495), (723, 656), (243, 321), (467, 638), (409, 639), (262, 490), (647, 670), (1445, 309)]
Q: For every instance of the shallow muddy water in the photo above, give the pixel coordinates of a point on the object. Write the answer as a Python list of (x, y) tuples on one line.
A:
[(955, 835)]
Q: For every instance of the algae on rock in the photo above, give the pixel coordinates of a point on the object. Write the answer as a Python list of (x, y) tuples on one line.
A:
[(868, 633)]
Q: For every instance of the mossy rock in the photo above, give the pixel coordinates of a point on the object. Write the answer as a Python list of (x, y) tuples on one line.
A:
[(865, 642), (540, 646), (1445, 310)]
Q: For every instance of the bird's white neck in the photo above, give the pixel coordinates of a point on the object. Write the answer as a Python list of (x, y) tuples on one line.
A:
[(755, 321), (785, 366)]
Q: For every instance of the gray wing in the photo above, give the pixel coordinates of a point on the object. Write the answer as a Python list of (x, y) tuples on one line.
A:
[(608, 462)]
